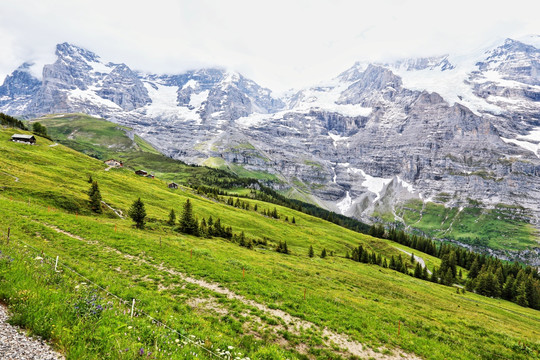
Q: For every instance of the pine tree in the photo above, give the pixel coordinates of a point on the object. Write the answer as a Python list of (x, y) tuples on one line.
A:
[(95, 198), (474, 269), (137, 213), (434, 278), (521, 295), (90, 180), (323, 253), (282, 247), (311, 252), (293, 220), (425, 274), (172, 218), (255, 208), (508, 288), (447, 278), (418, 271), (188, 224), (413, 260), (203, 229)]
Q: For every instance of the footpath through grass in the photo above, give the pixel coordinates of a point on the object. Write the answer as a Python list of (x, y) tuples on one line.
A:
[(365, 302)]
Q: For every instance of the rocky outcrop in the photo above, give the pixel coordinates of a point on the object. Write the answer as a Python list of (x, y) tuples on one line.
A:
[(359, 144)]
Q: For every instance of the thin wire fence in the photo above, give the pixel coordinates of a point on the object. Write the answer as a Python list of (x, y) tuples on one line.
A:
[(126, 302)]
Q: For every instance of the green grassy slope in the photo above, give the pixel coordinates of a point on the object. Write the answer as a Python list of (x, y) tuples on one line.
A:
[(364, 302), (500, 228), (103, 139)]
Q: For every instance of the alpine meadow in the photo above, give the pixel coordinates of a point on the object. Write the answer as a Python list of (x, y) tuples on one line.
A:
[(269, 181)]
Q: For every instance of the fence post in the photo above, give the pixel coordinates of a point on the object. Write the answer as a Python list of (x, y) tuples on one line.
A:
[(56, 264), (8, 232), (132, 307)]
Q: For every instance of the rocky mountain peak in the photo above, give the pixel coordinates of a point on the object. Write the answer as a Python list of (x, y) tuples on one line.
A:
[(75, 53), (20, 83)]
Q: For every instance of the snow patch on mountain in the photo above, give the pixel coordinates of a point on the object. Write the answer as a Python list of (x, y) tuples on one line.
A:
[(90, 97), (405, 184), (164, 104), (336, 138), (326, 96), (196, 100), (530, 142), (373, 184), (345, 204), (450, 84)]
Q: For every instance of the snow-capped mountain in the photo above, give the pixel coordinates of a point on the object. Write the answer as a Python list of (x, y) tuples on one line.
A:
[(80, 81), (371, 138)]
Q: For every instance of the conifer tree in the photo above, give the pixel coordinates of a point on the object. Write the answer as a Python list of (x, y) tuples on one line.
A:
[(172, 218), (282, 247), (311, 252), (434, 278), (412, 259), (137, 213), (508, 288), (203, 229), (425, 274), (447, 278), (188, 223), (95, 198), (293, 220), (323, 253), (255, 208), (521, 295), (418, 271)]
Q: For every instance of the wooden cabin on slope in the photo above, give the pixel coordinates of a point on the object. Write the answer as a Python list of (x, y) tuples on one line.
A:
[(25, 139)]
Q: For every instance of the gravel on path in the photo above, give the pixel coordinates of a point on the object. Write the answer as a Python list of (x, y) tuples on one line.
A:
[(15, 345)]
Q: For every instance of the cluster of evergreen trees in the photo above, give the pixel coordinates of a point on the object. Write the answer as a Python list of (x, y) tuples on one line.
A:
[(487, 276), (189, 224), (491, 277), (40, 130), (10, 121), (261, 192)]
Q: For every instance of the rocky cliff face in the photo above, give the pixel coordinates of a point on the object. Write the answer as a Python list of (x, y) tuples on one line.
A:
[(375, 137)]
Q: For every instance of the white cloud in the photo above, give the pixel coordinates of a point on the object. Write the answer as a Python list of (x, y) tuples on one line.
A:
[(280, 44)]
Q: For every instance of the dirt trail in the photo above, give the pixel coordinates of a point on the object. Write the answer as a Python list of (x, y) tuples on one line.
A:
[(417, 259), (341, 340), (117, 212), (13, 176)]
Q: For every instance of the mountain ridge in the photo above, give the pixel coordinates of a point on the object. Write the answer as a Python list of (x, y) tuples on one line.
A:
[(364, 144)]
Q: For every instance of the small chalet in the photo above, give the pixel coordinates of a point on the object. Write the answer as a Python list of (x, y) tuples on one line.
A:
[(21, 138), (141, 172), (151, 176), (173, 185), (114, 163)]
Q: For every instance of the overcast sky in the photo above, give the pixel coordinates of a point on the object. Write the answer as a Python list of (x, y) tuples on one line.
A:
[(278, 43)]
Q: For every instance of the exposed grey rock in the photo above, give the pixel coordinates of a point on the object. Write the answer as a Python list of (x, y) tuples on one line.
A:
[(360, 144)]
